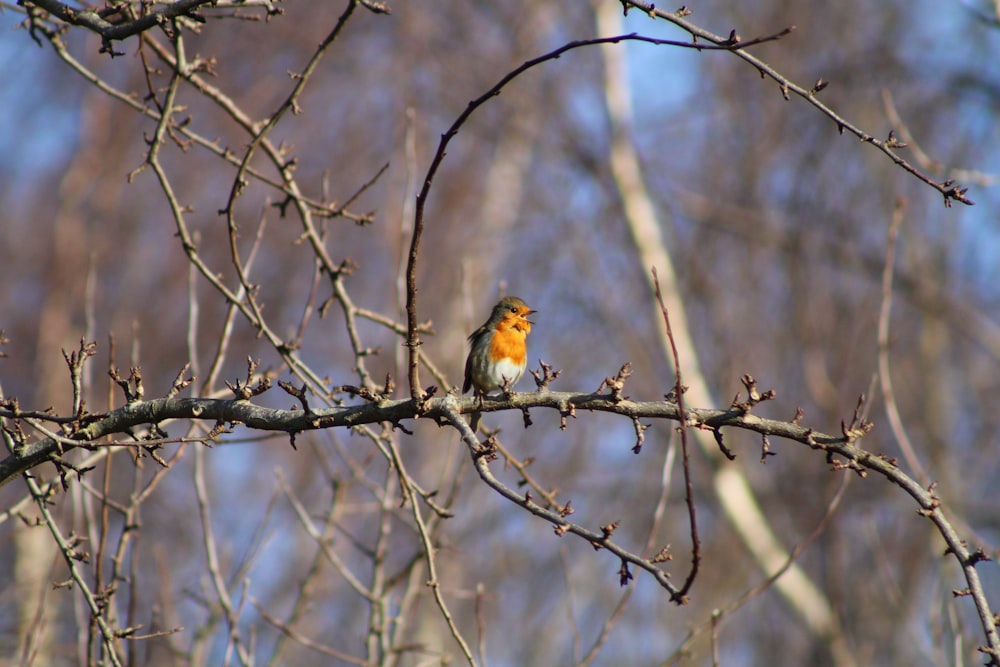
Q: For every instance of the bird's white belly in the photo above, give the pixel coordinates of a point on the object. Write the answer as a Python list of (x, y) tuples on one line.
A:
[(505, 370)]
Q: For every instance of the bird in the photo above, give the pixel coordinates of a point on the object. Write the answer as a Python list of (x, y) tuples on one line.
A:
[(498, 353)]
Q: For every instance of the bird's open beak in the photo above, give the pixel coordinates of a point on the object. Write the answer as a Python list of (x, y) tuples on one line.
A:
[(525, 316)]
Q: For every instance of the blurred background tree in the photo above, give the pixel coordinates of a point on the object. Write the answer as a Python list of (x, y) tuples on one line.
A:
[(776, 229)]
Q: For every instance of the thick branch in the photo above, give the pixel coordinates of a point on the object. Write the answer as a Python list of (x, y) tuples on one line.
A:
[(93, 20), (442, 410), (231, 411)]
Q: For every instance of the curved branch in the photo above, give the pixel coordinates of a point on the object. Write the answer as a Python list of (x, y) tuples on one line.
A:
[(413, 339)]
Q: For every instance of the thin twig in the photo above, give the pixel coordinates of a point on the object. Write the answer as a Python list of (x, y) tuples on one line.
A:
[(108, 635), (688, 487), (948, 189), (599, 540), (718, 615), (214, 568)]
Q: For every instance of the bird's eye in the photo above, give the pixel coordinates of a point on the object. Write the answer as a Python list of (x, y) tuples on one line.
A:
[(513, 309)]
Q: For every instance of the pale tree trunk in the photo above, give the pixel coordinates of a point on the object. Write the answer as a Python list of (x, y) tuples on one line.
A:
[(731, 487)]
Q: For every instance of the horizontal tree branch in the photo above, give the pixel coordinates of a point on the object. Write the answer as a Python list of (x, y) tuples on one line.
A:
[(115, 23), (119, 29), (93, 427)]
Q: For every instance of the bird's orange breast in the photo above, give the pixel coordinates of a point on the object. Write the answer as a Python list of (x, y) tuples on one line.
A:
[(509, 343)]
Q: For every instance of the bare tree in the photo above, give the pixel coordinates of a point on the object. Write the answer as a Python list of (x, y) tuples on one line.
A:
[(284, 218)]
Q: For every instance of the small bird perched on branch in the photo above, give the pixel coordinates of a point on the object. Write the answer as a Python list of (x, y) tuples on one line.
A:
[(499, 352)]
